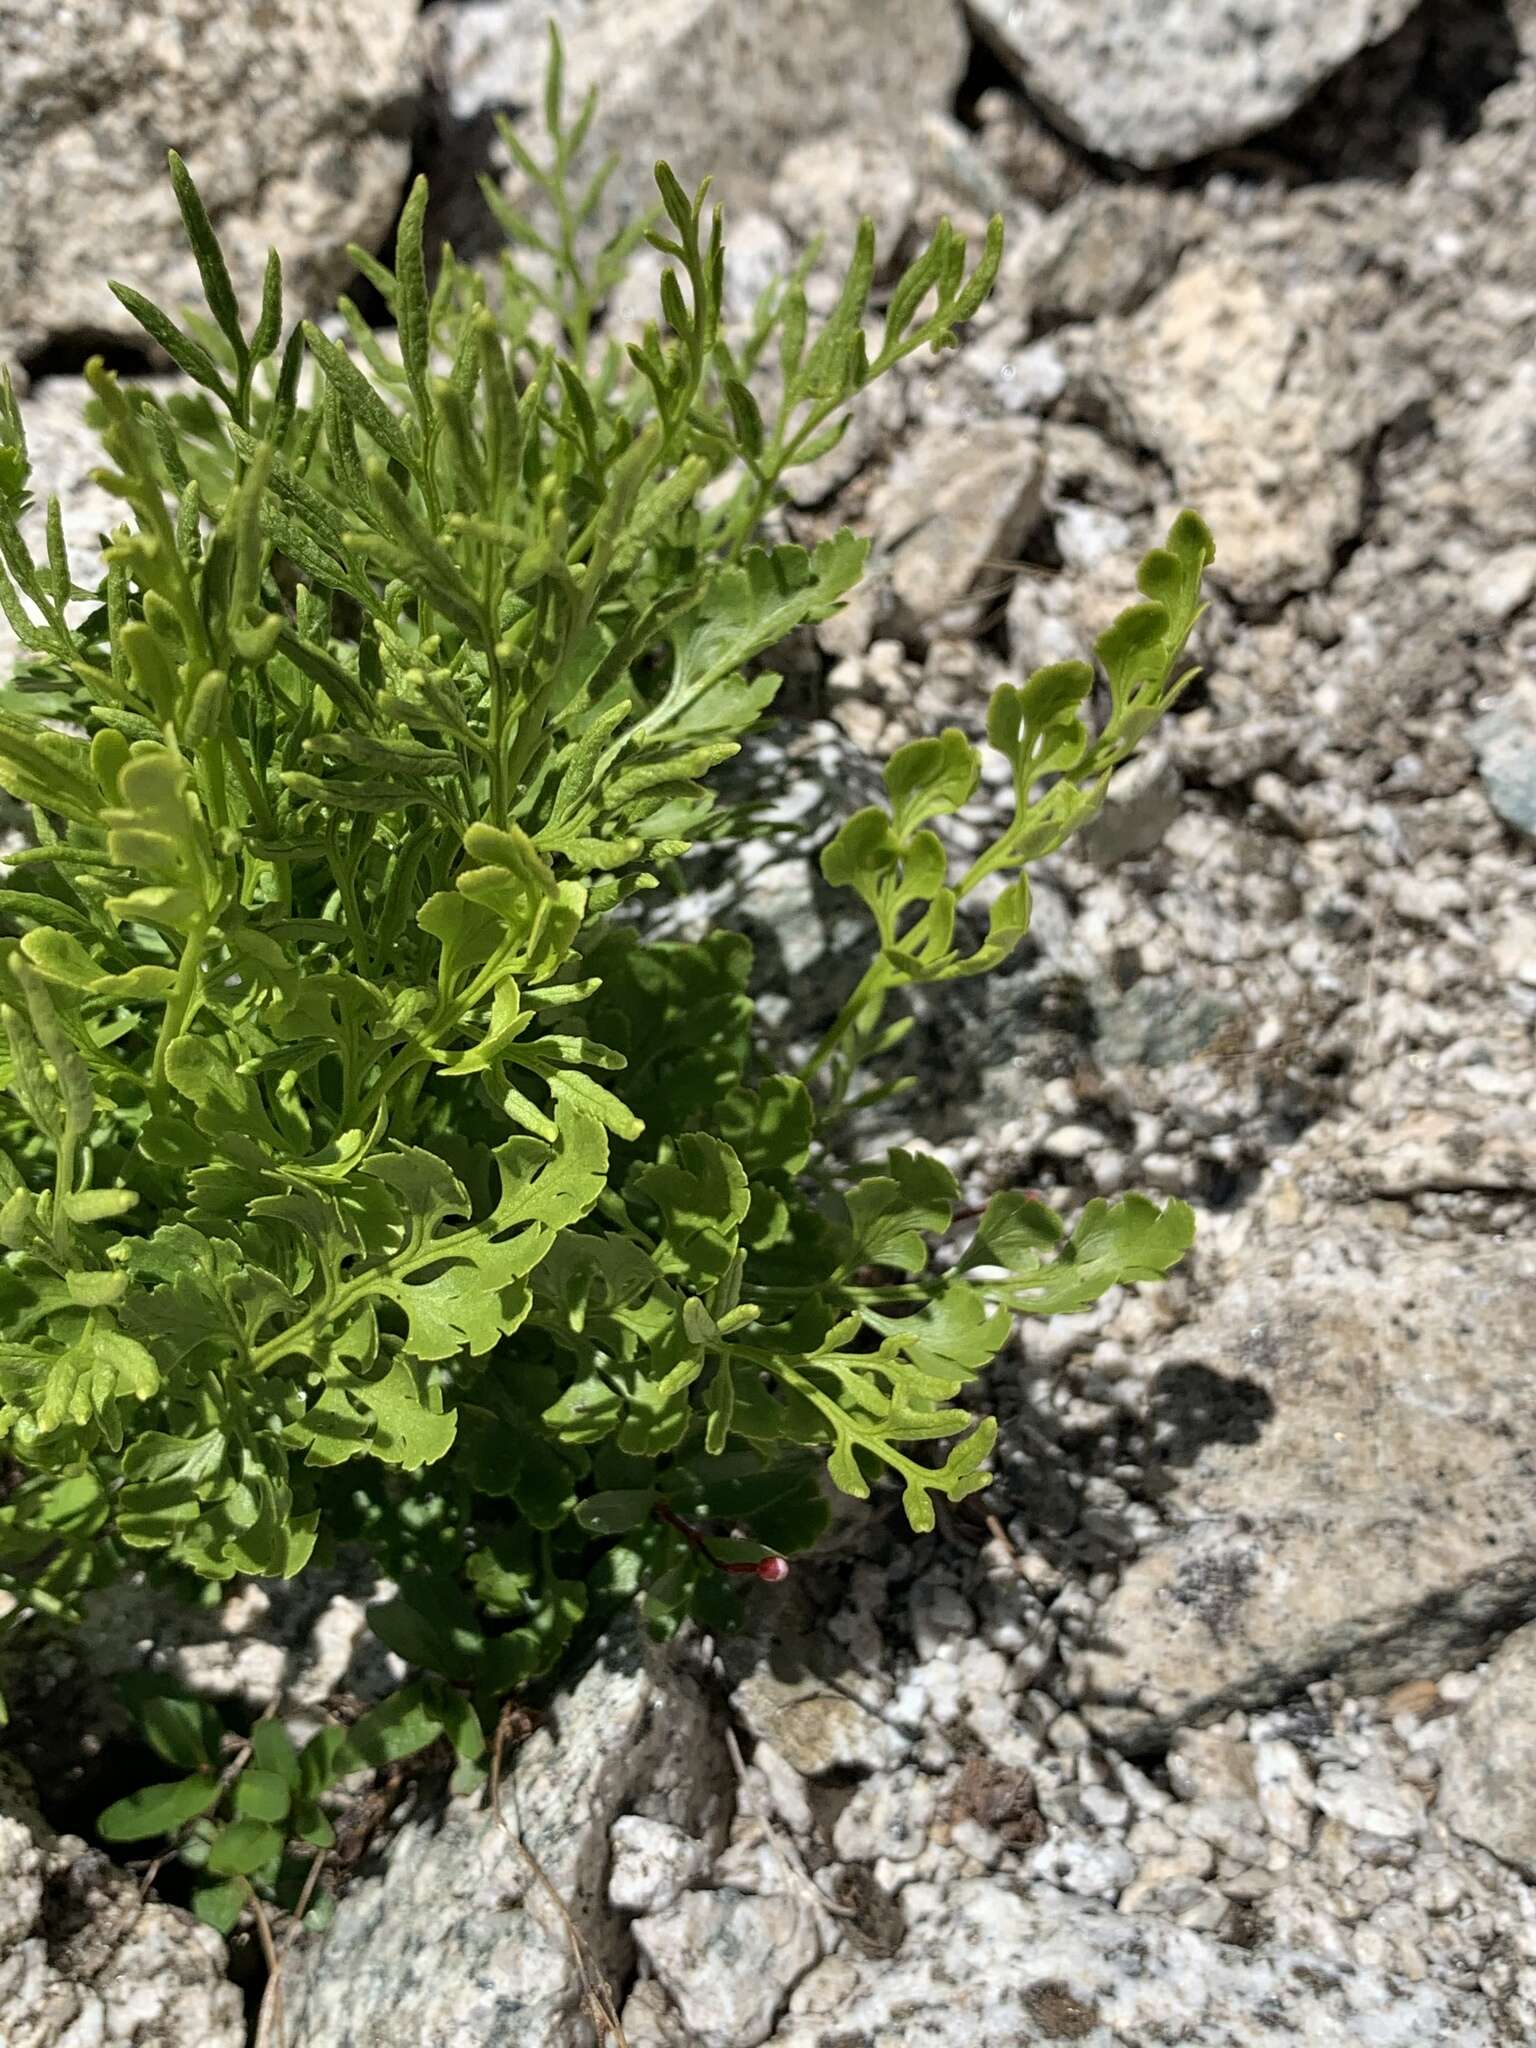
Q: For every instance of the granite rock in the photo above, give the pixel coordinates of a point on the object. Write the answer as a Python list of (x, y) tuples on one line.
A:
[(988, 1965), (949, 518), (289, 1646), (823, 187), (458, 1944), (1488, 1773), (1106, 251), (1144, 797), (652, 1862), (1156, 82), (729, 1959), (1504, 741), (815, 1725), (84, 1963), (1245, 396), (293, 117), (1342, 1391)]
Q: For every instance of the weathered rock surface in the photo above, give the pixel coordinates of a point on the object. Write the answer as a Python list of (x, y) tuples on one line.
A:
[(1504, 740), (816, 1725), (1291, 976), (1142, 801), (729, 1959), (294, 118), (652, 1862), (716, 89), (988, 1966), (1164, 81), (950, 516), (823, 188), (1488, 1774), (84, 1963), (1347, 1494), (459, 1944), (1245, 395), (1107, 251)]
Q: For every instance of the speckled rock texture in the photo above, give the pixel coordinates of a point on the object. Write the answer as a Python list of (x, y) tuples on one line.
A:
[(1488, 1778), (459, 1943), (84, 1963), (1254, 415), (992, 1968), (1347, 1389), (1164, 81), (294, 116)]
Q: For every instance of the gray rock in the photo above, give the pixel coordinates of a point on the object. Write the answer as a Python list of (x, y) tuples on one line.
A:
[(459, 1944), (815, 1726), (1144, 797), (1160, 1021), (1084, 1865), (717, 89), (286, 1646), (1497, 445), (1107, 251), (1157, 82), (1463, 1143), (492, 53), (947, 155), (1488, 1773), (986, 1965), (1246, 397), (1009, 377), (758, 256), (84, 1963), (650, 2019), (1334, 1432), (294, 119), (1504, 741), (1203, 1763), (888, 1816), (823, 188), (950, 517), (652, 1862), (876, 425), (1506, 585), (1369, 1802), (728, 1960), (1285, 1791)]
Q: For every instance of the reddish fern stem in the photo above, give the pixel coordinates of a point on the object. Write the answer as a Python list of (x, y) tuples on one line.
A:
[(772, 1570)]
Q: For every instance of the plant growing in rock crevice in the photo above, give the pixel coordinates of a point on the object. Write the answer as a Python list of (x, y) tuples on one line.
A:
[(364, 1172)]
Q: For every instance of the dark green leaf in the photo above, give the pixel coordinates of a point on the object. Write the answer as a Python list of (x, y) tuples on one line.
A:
[(261, 1795), (158, 1809), (178, 1726), (242, 1847), (220, 1905)]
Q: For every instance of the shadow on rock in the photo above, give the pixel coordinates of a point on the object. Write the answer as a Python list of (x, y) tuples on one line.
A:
[(1192, 1406), (1381, 115)]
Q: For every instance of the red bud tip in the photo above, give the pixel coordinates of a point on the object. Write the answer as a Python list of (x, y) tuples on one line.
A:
[(773, 1570)]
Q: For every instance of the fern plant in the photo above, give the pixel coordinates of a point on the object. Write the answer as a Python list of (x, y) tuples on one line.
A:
[(364, 1172)]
